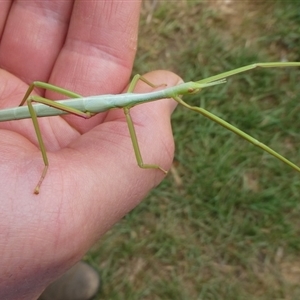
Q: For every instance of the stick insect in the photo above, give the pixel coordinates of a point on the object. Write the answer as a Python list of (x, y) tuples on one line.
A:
[(87, 107)]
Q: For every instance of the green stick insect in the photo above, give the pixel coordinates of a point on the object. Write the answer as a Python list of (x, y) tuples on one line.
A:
[(87, 107)]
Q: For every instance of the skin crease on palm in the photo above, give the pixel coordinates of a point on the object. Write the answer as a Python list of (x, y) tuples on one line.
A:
[(93, 179)]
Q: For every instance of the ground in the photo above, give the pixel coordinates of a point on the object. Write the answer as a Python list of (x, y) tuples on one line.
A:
[(225, 222)]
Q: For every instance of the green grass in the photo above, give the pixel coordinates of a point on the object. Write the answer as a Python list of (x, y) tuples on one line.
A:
[(224, 224)]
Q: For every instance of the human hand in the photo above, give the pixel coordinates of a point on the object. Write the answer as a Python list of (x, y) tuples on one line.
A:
[(93, 179)]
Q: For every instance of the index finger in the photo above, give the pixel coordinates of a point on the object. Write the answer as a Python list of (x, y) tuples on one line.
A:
[(100, 47)]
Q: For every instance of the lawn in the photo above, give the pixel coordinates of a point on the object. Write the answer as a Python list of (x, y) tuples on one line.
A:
[(225, 222)]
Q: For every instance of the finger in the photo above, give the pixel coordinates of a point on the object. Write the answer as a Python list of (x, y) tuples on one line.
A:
[(33, 36), (98, 55)]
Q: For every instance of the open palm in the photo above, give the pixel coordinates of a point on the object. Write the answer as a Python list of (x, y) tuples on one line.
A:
[(93, 180)]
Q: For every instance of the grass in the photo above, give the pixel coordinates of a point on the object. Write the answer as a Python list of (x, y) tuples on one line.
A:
[(224, 224)]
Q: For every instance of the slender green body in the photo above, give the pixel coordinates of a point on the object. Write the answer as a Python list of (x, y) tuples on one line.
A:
[(98, 104), (86, 107)]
